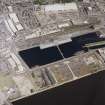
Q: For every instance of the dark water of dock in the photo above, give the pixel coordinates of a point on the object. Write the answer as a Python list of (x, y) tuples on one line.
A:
[(86, 91), (69, 49), (36, 56)]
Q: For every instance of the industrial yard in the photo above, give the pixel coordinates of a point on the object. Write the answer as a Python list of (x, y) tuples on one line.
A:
[(46, 45)]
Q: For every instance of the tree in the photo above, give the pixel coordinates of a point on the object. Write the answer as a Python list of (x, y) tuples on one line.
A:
[(40, 2)]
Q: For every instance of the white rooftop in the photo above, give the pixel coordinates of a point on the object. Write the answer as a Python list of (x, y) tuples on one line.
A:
[(61, 7)]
